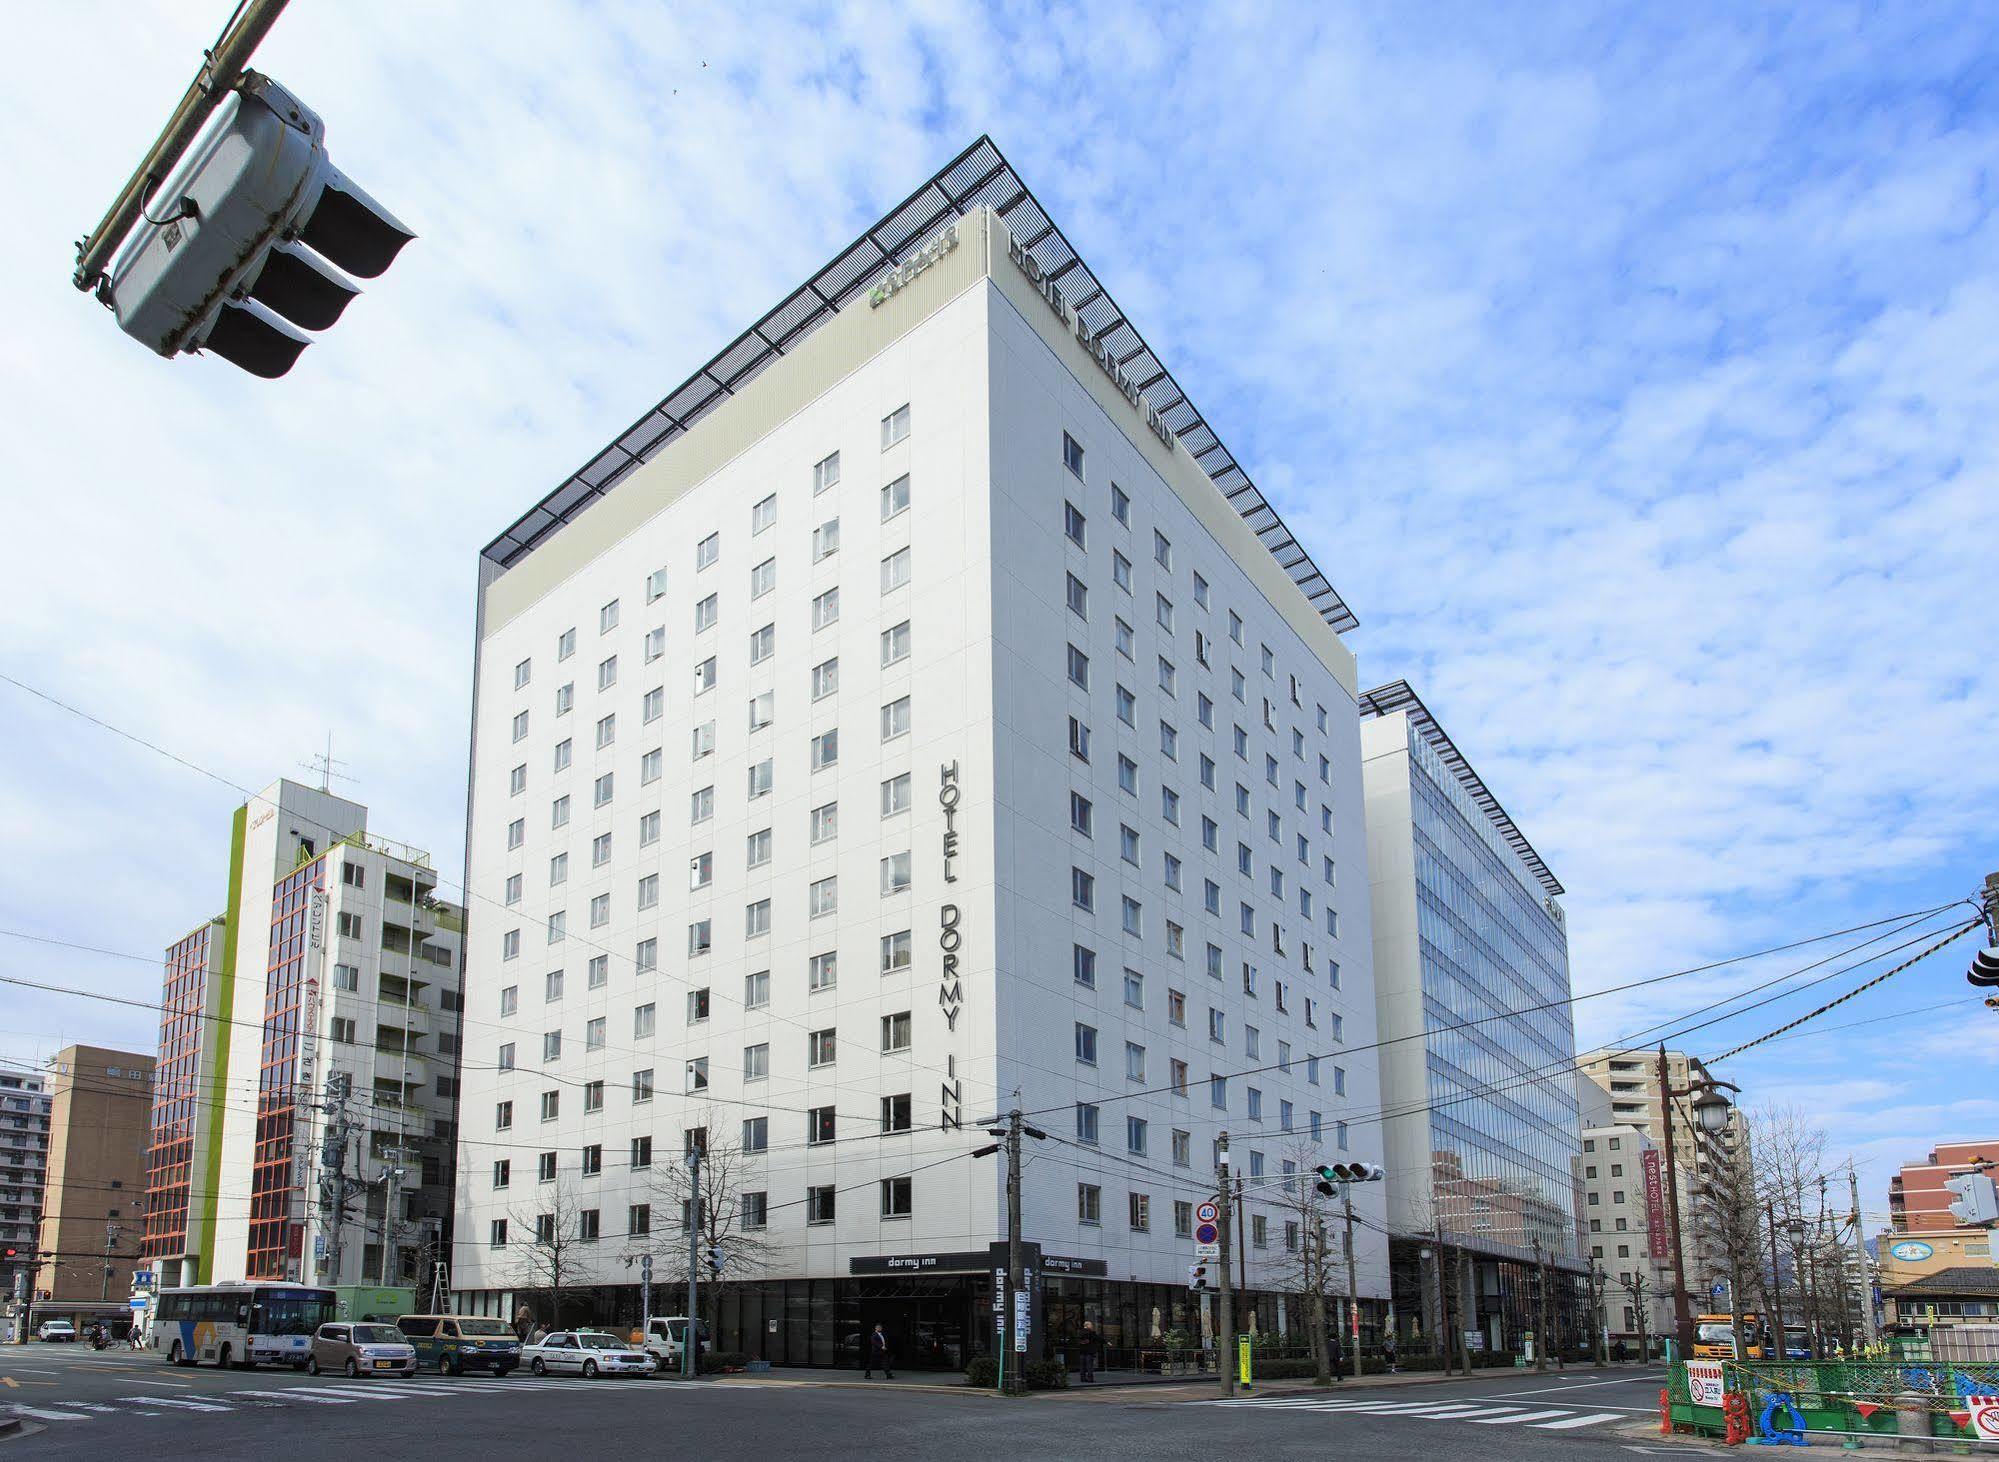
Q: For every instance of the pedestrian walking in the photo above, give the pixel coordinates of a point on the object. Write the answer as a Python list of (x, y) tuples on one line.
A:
[(1089, 1348), (878, 1355), (1336, 1356), (1388, 1354)]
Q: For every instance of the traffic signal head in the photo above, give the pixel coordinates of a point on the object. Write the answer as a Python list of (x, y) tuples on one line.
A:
[(1977, 1201), (715, 1259), (1197, 1276), (1331, 1175), (1984, 967), (250, 231)]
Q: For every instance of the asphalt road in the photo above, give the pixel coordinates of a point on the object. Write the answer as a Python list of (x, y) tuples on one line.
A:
[(84, 1404)]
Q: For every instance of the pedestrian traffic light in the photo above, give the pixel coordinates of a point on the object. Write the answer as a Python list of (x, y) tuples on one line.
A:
[(1984, 967), (250, 231), (1977, 1202), (715, 1259), (1197, 1276), (1334, 1175)]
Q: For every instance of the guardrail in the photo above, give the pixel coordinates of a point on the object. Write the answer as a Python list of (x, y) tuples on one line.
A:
[(1854, 1399)]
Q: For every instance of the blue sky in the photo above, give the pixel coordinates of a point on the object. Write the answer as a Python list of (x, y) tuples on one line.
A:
[(1631, 371)]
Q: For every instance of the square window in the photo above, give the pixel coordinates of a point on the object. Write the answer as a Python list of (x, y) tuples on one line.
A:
[(1072, 454), (895, 427), (826, 540), (895, 644), (895, 571), (763, 514), (825, 474)]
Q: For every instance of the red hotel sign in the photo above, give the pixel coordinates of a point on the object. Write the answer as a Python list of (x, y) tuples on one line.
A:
[(1655, 1205)]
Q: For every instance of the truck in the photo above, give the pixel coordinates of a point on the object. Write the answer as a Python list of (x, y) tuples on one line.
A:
[(666, 1337)]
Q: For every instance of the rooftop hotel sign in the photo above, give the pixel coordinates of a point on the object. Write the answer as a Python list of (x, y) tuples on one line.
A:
[(900, 277), (1051, 295)]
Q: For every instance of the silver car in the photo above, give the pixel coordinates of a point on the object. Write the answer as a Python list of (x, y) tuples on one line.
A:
[(363, 1348)]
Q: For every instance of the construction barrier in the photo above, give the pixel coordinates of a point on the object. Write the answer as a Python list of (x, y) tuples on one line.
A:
[(1788, 1403)]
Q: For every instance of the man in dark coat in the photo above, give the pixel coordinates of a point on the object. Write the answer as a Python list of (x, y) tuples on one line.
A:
[(878, 1355)]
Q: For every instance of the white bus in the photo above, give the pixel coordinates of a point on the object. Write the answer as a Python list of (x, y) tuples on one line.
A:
[(240, 1324)]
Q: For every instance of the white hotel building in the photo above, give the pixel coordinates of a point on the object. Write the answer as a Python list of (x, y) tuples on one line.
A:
[(906, 720)]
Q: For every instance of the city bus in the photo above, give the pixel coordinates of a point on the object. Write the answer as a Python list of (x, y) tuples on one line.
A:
[(240, 1324), (1714, 1337)]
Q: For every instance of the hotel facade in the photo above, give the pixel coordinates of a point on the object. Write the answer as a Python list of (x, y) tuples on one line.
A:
[(917, 716)]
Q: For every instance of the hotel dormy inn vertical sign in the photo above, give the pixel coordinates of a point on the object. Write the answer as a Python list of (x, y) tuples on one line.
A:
[(950, 941)]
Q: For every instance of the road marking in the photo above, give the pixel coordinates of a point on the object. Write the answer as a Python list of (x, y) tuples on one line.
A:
[(1578, 1386), (300, 1393), (174, 1401), (10, 1383), (1450, 1413), (40, 1415), (1589, 1420), (1514, 1420), (183, 1385)]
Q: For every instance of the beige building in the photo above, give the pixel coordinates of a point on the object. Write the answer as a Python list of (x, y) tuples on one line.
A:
[(93, 1202), (1628, 1248), (1629, 1081)]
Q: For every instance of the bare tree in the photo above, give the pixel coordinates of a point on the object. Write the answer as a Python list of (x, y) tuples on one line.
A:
[(1309, 1266), (547, 1249), (726, 1222), (1726, 1223), (1791, 1163)]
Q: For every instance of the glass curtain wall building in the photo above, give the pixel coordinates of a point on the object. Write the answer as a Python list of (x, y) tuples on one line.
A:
[(1482, 1133)]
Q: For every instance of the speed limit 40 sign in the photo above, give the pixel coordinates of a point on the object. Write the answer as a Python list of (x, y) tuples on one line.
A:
[(1207, 1213)]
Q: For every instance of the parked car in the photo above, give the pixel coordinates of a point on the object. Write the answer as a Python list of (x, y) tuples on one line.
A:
[(459, 1343), (587, 1353), (361, 1350), (56, 1330)]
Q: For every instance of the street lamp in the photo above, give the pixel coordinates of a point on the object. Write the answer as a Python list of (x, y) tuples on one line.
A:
[(1712, 1112)]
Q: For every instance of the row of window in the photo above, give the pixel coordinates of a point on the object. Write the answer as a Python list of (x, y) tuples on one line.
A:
[(821, 1045), (753, 1213)]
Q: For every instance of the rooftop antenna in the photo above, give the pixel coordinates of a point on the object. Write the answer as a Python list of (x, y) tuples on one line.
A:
[(325, 766)]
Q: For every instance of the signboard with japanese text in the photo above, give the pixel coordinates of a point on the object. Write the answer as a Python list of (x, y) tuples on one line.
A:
[(1655, 1205), (1704, 1386)]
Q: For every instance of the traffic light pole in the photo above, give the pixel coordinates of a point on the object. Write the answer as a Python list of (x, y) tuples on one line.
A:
[(1318, 1242), (1353, 1283), (219, 74), (1225, 1303)]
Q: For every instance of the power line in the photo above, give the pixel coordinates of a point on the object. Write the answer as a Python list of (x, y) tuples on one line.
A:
[(1856, 990)]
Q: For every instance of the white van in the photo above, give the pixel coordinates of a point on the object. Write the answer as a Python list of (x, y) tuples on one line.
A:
[(666, 1337)]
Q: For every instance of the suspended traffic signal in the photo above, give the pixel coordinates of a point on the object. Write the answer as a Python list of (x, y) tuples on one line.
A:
[(1334, 1175), (1984, 967), (248, 239)]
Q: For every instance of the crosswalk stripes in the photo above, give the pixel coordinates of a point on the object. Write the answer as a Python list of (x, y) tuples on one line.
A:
[(1471, 1410), (361, 1392)]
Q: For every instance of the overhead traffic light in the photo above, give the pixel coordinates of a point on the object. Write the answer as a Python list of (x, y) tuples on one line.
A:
[(1984, 967), (1332, 1176), (1977, 1201), (248, 239)]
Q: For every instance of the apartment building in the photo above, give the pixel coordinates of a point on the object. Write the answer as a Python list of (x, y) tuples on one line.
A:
[(306, 1068), (93, 1207), (1629, 1080), (918, 715), (24, 1154), (1471, 984)]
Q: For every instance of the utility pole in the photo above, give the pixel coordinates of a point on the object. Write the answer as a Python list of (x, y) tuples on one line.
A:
[(690, 1348), (1318, 1273), (1540, 1309), (1225, 1329), (1353, 1282), (1016, 1384), (110, 1242), (1867, 1329), (1242, 1249), (1682, 1320)]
